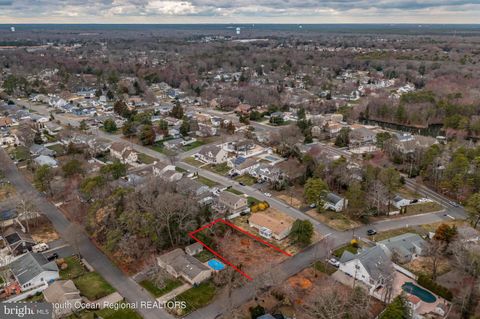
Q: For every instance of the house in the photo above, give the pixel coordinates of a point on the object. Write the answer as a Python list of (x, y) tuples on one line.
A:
[(37, 149), (52, 128), (17, 241), (413, 303), (33, 270), (277, 117), (232, 203), (64, 293), (269, 226), (192, 187), (362, 136), (166, 172), (243, 109), (194, 249), (335, 202), (407, 144), (212, 154), (173, 144), (5, 121), (205, 130), (405, 247), (124, 153), (242, 165), (399, 202), (45, 160), (372, 266), (179, 264)]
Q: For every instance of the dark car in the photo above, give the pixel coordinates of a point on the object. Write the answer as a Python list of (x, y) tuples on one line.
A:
[(241, 183), (371, 232), (52, 257)]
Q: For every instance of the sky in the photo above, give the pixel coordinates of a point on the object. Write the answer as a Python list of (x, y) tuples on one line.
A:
[(240, 11)]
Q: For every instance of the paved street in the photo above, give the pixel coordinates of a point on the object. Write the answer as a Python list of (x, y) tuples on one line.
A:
[(76, 237), (304, 259)]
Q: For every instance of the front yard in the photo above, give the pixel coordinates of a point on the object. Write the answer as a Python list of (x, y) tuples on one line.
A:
[(338, 221), (206, 181), (155, 291), (145, 159), (193, 162), (196, 297), (220, 169), (246, 179), (74, 269), (93, 286)]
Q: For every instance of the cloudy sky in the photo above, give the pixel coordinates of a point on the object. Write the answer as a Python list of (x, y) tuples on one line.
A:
[(247, 11)]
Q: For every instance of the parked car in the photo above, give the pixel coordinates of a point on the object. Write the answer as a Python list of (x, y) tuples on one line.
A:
[(334, 262), (267, 194), (243, 184), (38, 248), (313, 205), (52, 257), (371, 232), (454, 204)]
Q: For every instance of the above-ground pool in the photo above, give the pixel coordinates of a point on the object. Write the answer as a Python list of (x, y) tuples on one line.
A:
[(216, 265), (421, 293)]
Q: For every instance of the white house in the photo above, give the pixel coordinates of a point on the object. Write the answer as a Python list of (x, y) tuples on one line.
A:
[(124, 153), (335, 202), (372, 266), (33, 270), (399, 202), (212, 154)]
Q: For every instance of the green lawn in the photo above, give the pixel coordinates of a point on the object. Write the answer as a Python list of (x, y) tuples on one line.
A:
[(231, 190), (204, 256), (252, 201), (246, 179), (180, 170), (395, 232), (206, 181), (221, 169), (107, 313), (158, 147), (93, 286), (150, 286), (145, 159), (38, 297), (197, 297), (193, 162), (75, 269), (195, 144), (58, 148), (324, 267), (21, 153), (339, 252)]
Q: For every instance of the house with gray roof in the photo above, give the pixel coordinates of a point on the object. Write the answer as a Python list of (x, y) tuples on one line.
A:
[(335, 202), (372, 266), (179, 264), (63, 292), (212, 154), (17, 241), (33, 270), (232, 203), (45, 160), (405, 247), (37, 149)]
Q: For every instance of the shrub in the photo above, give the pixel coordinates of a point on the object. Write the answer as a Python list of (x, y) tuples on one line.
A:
[(429, 284)]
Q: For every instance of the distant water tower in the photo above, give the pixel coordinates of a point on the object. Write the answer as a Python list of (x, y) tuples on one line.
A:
[(238, 30), (12, 29)]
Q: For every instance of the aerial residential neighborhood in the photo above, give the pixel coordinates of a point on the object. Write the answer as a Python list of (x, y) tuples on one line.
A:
[(207, 171)]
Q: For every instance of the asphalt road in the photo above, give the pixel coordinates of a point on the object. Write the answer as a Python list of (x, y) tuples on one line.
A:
[(76, 237), (315, 252)]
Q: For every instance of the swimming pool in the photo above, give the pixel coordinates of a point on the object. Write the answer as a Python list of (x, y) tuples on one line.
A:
[(216, 265), (421, 293)]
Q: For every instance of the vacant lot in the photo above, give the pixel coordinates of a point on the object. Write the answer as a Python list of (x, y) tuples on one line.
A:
[(338, 221)]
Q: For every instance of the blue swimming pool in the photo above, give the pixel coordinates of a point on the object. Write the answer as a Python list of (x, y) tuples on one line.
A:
[(421, 293), (216, 265)]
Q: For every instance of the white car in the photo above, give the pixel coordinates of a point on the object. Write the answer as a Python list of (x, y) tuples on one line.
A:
[(334, 262), (267, 194), (39, 248)]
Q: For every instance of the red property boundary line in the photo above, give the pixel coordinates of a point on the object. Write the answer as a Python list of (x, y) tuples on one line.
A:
[(221, 220)]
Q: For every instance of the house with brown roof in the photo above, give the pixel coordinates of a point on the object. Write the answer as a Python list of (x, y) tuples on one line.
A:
[(271, 226), (64, 293)]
